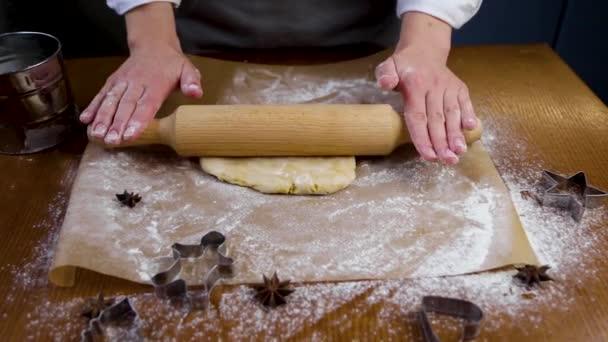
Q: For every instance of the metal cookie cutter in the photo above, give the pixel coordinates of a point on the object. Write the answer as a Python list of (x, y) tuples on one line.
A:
[(118, 313), (569, 193), (469, 312), (169, 285)]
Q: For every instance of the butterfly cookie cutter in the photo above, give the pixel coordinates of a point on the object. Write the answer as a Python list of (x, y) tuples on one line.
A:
[(169, 285), (572, 193)]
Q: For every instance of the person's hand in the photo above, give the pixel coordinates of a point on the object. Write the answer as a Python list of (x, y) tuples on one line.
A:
[(437, 103), (133, 94)]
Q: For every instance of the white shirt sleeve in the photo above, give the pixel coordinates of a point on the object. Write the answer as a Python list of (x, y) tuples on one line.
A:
[(123, 6), (454, 12)]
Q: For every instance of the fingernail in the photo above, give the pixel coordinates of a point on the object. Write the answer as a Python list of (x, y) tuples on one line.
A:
[(384, 82), (193, 87), (85, 115), (449, 157), (99, 130), (130, 131), (471, 123), (429, 154), (112, 137), (460, 145)]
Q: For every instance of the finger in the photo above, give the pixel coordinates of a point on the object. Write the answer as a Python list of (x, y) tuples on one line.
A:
[(386, 75), (190, 81), (469, 119), (414, 95), (436, 126), (453, 120), (89, 132), (107, 109), (126, 107), (147, 106), (88, 114)]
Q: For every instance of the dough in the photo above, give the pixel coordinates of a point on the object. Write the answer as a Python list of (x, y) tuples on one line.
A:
[(291, 175)]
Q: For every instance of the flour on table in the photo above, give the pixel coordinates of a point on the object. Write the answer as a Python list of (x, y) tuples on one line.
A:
[(566, 246), (295, 87), (401, 216), (430, 220)]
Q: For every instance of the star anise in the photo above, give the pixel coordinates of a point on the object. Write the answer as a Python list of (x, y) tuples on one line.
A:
[(272, 292), (530, 274), (129, 199), (94, 306)]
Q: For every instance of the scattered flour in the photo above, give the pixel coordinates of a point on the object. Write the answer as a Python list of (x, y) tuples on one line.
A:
[(424, 207), (393, 234), (556, 238), (294, 86), (33, 273)]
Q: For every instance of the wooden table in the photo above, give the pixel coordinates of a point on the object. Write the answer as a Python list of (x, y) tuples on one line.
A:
[(529, 87)]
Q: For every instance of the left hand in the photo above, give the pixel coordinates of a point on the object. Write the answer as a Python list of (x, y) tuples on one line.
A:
[(437, 103)]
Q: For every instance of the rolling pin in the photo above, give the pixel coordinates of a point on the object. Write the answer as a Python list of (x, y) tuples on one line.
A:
[(281, 130)]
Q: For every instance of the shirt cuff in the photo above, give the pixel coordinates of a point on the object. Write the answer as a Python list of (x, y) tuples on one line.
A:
[(454, 12), (123, 6)]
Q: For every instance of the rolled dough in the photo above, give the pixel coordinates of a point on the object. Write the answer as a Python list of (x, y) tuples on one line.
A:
[(285, 175)]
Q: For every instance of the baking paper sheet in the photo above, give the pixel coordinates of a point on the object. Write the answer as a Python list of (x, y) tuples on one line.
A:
[(402, 217)]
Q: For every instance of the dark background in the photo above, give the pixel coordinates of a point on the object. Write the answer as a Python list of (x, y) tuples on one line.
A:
[(573, 28)]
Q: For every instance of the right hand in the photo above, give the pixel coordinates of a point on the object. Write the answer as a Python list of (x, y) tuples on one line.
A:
[(133, 94)]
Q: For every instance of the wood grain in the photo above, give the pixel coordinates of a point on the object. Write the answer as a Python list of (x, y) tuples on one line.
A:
[(282, 130), (525, 90)]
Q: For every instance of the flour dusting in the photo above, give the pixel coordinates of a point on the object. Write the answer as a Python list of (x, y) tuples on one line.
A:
[(295, 87), (378, 246), (425, 207), (429, 220)]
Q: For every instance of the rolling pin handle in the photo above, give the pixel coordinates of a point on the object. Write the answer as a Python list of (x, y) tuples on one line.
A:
[(474, 134), (158, 132)]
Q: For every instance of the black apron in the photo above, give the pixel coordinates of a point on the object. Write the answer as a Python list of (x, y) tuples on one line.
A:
[(215, 25)]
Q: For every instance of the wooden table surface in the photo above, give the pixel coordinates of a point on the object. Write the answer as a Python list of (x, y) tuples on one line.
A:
[(528, 89)]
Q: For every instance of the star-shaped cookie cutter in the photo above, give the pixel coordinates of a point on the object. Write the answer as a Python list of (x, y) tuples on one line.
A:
[(169, 285), (553, 192)]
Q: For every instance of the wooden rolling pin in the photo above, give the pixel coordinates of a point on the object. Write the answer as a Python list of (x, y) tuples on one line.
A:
[(281, 130)]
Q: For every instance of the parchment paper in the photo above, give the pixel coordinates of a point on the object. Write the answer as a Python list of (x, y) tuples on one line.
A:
[(402, 217)]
